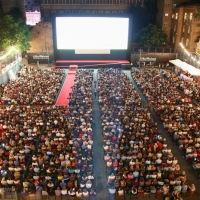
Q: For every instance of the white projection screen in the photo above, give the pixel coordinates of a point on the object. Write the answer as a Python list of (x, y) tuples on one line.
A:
[(92, 35)]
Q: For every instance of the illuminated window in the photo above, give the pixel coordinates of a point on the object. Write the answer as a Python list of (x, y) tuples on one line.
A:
[(191, 16), (174, 28), (187, 43), (189, 29), (166, 14), (182, 40), (185, 16), (176, 17), (172, 15)]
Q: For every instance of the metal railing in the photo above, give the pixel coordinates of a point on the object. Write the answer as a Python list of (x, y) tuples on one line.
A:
[(8, 193), (152, 50)]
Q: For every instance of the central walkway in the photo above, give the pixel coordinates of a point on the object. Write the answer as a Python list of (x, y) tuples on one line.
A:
[(99, 169)]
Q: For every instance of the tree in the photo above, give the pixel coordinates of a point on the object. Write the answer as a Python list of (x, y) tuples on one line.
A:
[(15, 33), (16, 13), (143, 15), (151, 36)]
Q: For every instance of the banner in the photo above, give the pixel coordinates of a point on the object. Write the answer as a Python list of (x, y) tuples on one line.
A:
[(43, 58)]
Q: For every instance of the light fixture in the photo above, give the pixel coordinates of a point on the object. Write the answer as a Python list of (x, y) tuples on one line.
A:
[(7, 53)]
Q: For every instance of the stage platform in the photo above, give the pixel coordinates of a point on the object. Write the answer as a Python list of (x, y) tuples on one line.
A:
[(65, 64)]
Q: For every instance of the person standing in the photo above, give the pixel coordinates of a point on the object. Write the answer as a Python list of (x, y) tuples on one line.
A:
[(95, 92), (95, 84)]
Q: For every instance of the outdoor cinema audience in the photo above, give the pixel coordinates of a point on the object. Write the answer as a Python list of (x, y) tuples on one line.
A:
[(64, 159), (182, 118), (137, 157), (20, 128), (35, 87)]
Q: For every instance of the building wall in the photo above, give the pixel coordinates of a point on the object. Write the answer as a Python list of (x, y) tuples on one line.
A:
[(164, 15), (86, 6), (7, 5), (41, 38), (187, 30)]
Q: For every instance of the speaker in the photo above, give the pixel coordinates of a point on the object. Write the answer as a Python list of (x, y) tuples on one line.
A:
[(126, 66)]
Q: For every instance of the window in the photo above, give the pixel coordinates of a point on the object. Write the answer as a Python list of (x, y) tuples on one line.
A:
[(45, 2), (60, 1), (166, 14), (189, 29), (173, 39), (52, 2), (165, 24), (53, 11), (176, 17), (182, 40), (174, 28), (167, 4), (46, 13), (185, 17), (187, 43), (191, 16), (183, 28), (172, 16)]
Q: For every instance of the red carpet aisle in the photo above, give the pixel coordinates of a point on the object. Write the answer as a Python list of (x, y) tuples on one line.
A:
[(67, 87)]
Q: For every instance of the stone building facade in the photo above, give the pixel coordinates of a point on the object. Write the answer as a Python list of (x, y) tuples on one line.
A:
[(185, 28)]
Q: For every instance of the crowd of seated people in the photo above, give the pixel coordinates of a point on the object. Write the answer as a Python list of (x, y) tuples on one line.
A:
[(37, 87), (182, 119), (158, 88), (63, 163), (187, 85), (20, 128), (137, 157)]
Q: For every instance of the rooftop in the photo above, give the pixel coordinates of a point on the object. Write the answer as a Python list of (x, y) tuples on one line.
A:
[(190, 3)]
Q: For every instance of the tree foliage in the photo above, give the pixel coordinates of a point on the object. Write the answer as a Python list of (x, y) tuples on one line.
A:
[(151, 36), (16, 13), (197, 14), (143, 15), (14, 33)]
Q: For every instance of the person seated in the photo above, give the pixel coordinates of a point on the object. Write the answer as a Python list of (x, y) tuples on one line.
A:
[(85, 193), (120, 192), (58, 192), (112, 190), (93, 193), (64, 191), (72, 192)]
